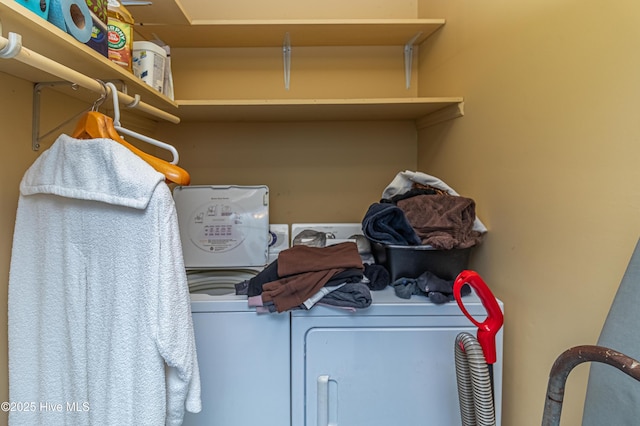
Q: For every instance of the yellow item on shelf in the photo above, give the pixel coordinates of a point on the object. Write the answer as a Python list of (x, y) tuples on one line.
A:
[(120, 35)]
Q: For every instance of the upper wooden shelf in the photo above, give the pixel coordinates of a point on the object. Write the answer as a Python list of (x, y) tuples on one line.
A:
[(425, 111), (48, 40), (160, 12), (169, 21), (45, 38), (179, 31), (306, 32)]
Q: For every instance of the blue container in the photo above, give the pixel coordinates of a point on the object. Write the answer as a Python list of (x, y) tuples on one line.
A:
[(39, 7)]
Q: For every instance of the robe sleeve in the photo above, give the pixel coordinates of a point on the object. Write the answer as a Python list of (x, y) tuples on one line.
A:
[(174, 324)]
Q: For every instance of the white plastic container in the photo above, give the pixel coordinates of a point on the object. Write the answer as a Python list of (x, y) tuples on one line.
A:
[(149, 61)]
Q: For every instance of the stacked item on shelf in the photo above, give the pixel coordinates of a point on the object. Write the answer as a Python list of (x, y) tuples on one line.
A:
[(107, 27), (84, 20), (152, 64), (120, 26)]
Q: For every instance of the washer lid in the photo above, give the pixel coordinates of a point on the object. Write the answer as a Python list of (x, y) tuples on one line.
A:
[(218, 281), (223, 226)]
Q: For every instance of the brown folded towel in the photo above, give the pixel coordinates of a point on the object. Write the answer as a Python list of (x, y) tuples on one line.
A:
[(442, 221)]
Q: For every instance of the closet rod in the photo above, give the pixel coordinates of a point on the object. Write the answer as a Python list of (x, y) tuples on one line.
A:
[(50, 66)]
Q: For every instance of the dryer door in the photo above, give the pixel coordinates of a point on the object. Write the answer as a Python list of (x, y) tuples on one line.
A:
[(376, 371)]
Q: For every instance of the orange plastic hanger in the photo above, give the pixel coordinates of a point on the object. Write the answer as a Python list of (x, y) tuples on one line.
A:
[(94, 124)]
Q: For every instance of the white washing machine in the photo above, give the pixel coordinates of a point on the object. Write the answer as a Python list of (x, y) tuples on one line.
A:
[(243, 356), (244, 363)]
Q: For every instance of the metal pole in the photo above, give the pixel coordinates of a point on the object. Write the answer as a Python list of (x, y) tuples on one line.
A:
[(567, 361)]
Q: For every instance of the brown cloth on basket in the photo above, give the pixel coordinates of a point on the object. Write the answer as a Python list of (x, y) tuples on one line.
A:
[(442, 221), (305, 270)]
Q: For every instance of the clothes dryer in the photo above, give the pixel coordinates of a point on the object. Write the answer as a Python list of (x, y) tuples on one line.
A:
[(389, 364)]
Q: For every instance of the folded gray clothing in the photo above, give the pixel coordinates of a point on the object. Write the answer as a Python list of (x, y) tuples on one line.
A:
[(354, 295), (386, 223), (427, 284)]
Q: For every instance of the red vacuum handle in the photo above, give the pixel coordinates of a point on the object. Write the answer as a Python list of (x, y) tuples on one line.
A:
[(488, 328)]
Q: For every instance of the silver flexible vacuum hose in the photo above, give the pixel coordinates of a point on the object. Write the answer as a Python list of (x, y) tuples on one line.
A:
[(474, 383)]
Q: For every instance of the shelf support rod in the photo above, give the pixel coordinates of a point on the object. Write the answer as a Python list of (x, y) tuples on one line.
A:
[(408, 59), (33, 59), (286, 57)]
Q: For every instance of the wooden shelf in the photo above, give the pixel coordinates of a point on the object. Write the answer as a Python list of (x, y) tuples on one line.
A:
[(160, 12), (425, 111), (180, 31), (46, 39), (302, 32), (308, 32)]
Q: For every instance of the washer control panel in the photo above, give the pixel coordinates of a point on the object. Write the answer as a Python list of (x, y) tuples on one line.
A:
[(218, 227), (223, 226)]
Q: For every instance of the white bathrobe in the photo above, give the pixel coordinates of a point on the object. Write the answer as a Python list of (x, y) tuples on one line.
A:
[(100, 328)]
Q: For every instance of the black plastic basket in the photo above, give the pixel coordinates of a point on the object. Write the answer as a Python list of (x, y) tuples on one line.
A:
[(412, 261)]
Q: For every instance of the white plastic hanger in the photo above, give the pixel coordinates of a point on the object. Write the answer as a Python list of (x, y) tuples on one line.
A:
[(120, 129), (94, 125)]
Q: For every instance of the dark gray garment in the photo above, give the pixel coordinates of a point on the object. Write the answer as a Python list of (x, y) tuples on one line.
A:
[(386, 223), (427, 284), (350, 295)]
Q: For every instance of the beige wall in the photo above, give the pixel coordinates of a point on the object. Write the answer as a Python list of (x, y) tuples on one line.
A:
[(316, 72), (315, 171), (548, 149), (15, 122), (296, 9)]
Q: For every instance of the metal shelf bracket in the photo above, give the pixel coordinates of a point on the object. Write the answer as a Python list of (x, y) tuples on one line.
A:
[(35, 114), (286, 57), (36, 137), (408, 58)]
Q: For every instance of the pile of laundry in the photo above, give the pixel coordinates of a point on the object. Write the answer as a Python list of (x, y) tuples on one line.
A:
[(303, 276), (417, 209)]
